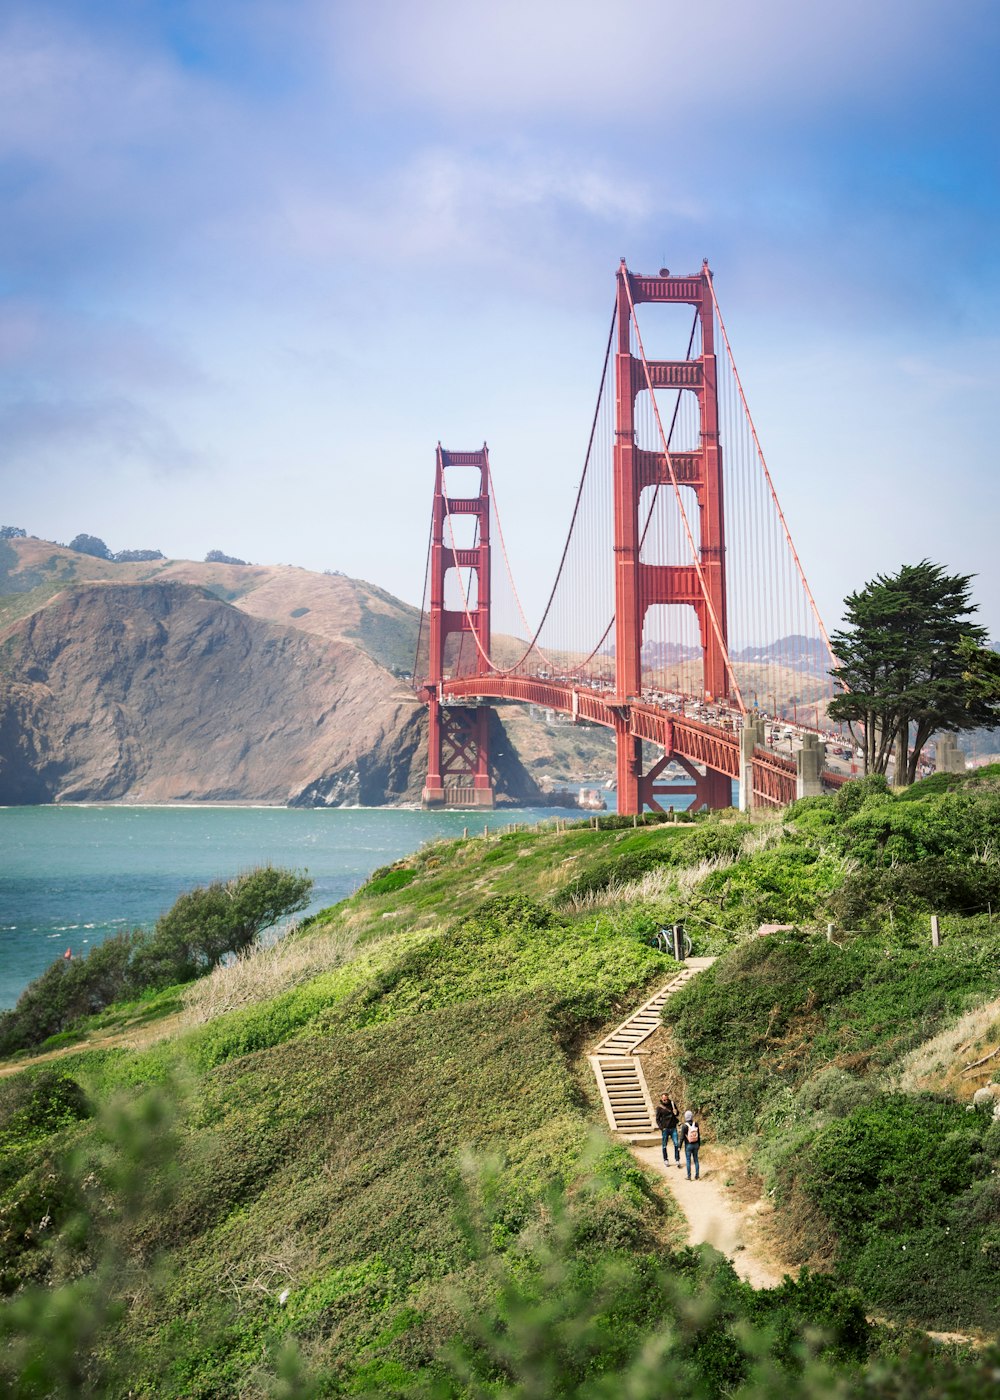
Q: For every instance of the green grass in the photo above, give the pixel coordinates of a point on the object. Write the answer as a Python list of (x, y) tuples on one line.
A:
[(762, 1021), (318, 1142), (785, 1044)]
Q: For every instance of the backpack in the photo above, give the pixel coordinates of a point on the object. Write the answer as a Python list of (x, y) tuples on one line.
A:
[(693, 1132)]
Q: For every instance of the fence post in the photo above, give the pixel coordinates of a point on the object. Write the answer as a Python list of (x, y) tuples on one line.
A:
[(679, 942), (829, 933), (935, 932)]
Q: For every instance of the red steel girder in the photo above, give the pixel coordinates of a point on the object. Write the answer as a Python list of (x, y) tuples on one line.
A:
[(668, 374), (773, 779), (667, 288), (651, 468), (458, 742), (639, 586), (773, 776), (716, 749)]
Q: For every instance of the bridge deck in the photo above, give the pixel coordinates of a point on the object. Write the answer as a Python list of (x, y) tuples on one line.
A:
[(714, 747)]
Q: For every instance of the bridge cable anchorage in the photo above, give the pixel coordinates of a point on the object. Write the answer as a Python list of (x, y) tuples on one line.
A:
[(710, 606), (767, 474)]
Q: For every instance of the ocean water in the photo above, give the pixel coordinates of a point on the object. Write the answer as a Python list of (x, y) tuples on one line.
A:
[(72, 875)]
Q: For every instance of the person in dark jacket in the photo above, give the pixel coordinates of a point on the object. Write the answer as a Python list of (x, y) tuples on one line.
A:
[(691, 1138), (667, 1114)]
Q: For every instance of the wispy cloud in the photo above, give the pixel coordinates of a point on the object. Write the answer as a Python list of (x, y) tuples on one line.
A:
[(75, 437), (626, 65), (218, 217), (44, 343)]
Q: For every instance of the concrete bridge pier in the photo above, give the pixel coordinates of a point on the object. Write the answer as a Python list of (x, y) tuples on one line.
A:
[(948, 757), (751, 736), (809, 763)]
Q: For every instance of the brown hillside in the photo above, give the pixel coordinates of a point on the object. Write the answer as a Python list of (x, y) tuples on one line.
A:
[(160, 692), (176, 681), (330, 606)]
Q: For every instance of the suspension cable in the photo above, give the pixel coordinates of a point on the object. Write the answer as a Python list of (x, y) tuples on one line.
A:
[(533, 644), (510, 575), (423, 603), (767, 474)]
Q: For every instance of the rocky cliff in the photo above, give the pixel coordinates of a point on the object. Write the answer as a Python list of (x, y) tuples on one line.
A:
[(160, 692), (170, 681)]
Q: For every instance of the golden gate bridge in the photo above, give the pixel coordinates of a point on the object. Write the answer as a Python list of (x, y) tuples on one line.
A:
[(680, 617)]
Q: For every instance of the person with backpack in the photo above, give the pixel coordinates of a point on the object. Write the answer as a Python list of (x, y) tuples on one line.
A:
[(667, 1114), (691, 1138)]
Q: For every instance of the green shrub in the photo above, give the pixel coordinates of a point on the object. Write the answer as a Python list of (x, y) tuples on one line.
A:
[(214, 920), (202, 927), (38, 1102), (906, 1186), (866, 897), (393, 879), (891, 1164), (787, 884)]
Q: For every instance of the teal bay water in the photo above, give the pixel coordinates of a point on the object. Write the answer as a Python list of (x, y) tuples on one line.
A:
[(72, 875)]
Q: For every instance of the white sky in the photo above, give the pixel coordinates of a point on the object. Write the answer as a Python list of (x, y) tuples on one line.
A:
[(258, 256)]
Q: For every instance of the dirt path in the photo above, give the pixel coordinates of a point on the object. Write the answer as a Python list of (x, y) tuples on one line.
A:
[(128, 1038), (715, 1216)]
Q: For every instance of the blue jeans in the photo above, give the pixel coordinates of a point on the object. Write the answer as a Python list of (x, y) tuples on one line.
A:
[(691, 1150), (669, 1133)]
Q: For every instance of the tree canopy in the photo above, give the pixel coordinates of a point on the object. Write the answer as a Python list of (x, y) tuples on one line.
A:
[(912, 663), (200, 928), (217, 556), (90, 544)]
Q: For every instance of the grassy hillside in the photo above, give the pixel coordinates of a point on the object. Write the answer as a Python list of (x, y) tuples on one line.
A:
[(371, 1162), (330, 606)]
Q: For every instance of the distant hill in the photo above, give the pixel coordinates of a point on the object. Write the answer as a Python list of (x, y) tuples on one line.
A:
[(169, 680), (330, 606)]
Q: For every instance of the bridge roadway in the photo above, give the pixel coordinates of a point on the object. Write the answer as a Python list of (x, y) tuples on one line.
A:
[(677, 735)]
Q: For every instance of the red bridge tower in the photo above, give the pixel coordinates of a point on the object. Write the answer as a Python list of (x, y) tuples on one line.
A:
[(458, 758), (639, 586)]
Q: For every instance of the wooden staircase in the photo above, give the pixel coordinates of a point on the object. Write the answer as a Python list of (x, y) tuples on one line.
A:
[(618, 1068)]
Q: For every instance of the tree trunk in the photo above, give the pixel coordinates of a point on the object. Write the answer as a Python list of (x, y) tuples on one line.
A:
[(901, 770), (919, 740)]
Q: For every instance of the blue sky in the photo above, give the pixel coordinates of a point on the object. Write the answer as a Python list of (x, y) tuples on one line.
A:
[(258, 256)]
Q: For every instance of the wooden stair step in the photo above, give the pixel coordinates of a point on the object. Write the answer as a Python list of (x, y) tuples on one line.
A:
[(620, 1078)]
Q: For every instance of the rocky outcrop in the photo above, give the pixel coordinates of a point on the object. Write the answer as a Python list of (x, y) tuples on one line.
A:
[(171, 681), (160, 692)]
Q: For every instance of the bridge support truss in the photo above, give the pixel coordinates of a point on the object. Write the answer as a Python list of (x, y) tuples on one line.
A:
[(458, 757), (640, 586)]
